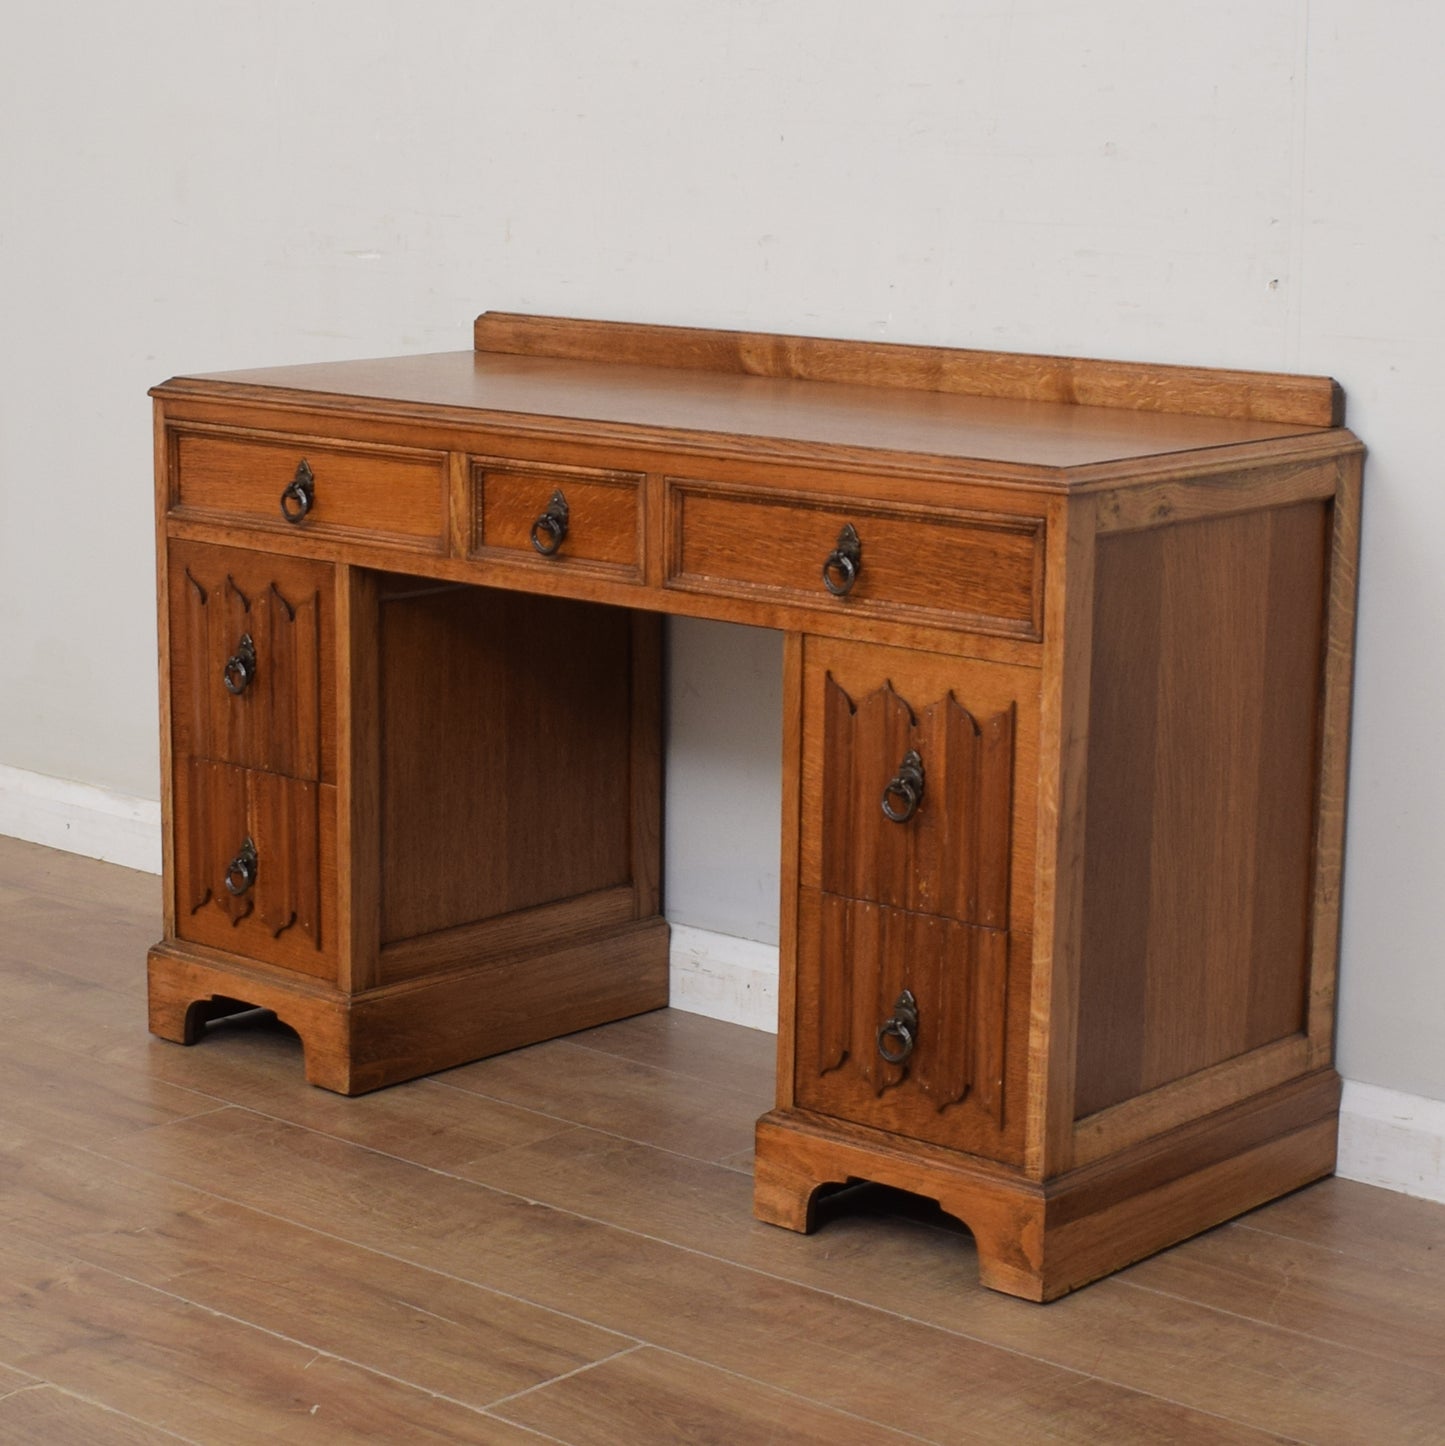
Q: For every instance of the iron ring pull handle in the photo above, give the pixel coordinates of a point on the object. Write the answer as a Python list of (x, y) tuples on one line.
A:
[(241, 871), (901, 1025), (299, 493), (549, 531), (906, 786), (844, 563), (240, 669)]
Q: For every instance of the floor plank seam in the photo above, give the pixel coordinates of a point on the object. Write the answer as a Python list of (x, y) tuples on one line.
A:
[(715, 1259), (1340, 1252), (581, 1370), (597, 1129), (91, 1401), (1353, 1346), (32, 1386), (798, 1396), (855, 1301), (530, 1430), (370, 1249), (661, 1069), (321, 1353)]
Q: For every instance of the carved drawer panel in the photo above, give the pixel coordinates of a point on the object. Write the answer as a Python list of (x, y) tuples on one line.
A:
[(251, 659), (916, 802), (561, 517), (954, 570), (371, 494), (906, 1021), (255, 863)]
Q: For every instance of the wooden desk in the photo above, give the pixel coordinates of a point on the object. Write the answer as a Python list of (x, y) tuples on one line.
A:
[(1067, 674)]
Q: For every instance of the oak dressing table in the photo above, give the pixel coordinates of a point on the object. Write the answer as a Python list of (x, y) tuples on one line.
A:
[(1066, 691)]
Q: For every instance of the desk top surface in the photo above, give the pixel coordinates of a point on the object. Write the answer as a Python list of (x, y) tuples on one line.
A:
[(662, 404)]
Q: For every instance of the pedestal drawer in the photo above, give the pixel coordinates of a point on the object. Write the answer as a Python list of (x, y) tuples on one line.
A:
[(256, 864), (384, 495), (909, 1019), (251, 649)]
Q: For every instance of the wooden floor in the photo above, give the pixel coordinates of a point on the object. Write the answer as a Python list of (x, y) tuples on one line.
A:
[(557, 1245)]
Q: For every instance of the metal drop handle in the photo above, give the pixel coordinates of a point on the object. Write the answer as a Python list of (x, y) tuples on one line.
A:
[(299, 494), (906, 787), (844, 563), (241, 871), (901, 1025), (550, 529), (240, 669)]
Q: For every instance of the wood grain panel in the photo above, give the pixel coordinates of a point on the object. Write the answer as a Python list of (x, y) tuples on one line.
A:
[(511, 787), (1312, 401), (1204, 737), (382, 494), (956, 570), (282, 719)]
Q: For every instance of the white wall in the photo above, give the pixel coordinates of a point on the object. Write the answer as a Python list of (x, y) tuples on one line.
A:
[(1252, 183)]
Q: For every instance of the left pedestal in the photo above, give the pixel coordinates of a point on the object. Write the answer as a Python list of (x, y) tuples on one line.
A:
[(419, 821)]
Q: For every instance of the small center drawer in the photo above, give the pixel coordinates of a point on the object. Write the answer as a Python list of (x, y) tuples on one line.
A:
[(565, 517), (385, 495), (952, 569)]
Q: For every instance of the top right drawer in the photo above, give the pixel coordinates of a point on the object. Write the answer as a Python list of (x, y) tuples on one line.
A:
[(979, 571)]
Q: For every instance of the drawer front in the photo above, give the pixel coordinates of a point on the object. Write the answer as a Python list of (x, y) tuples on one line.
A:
[(562, 517), (251, 643), (915, 801), (984, 573), (916, 779), (943, 1077), (388, 496), (254, 857)]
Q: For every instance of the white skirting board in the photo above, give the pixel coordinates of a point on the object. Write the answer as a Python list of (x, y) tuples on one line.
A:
[(81, 819), (1387, 1138)]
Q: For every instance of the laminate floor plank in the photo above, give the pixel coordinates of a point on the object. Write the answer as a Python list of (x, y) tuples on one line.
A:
[(78, 1098), (707, 1049), (1396, 1315), (652, 1396), (44, 1415), (642, 1102), (70, 938), (387, 1315), (258, 1064), (185, 1369), (835, 1352), (1255, 1370), (55, 874), (197, 1242), (1362, 1221)]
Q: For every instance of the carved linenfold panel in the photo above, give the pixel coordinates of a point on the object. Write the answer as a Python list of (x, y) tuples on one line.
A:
[(247, 680), (950, 854), (860, 956), (273, 908)]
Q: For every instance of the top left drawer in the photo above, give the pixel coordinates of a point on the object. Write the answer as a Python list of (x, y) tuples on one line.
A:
[(385, 495)]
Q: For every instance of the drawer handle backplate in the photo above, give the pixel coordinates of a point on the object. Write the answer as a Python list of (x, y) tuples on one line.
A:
[(299, 493), (550, 528), (901, 1025), (843, 564), (240, 669), (906, 786), (241, 871)]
